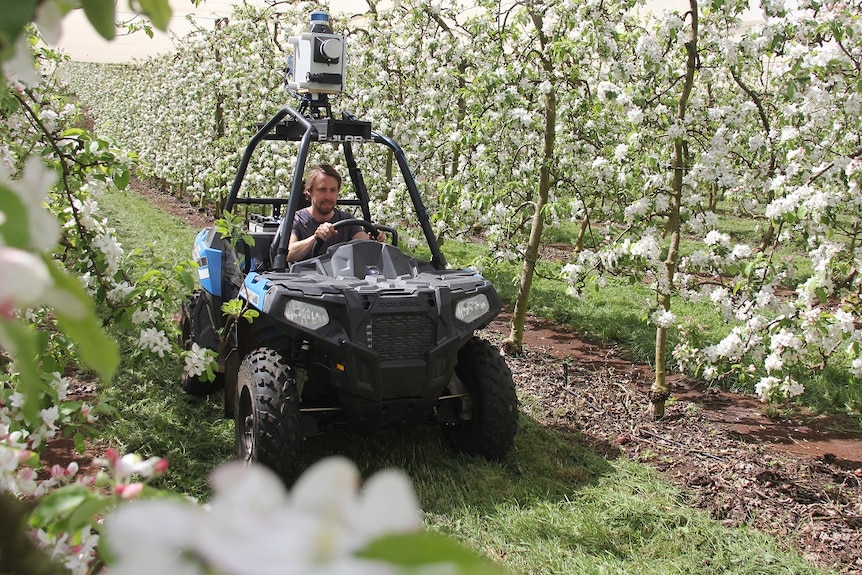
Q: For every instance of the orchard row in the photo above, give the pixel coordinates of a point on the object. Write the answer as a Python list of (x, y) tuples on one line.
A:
[(643, 132)]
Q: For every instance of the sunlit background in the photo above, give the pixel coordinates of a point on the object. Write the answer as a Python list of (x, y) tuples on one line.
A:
[(82, 43)]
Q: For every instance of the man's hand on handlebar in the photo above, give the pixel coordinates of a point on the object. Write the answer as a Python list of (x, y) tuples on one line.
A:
[(380, 237), (325, 231)]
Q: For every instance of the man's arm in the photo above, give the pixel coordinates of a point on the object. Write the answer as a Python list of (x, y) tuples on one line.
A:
[(298, 249)]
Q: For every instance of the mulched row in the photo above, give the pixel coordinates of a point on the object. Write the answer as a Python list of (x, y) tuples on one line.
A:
[(813, 504)]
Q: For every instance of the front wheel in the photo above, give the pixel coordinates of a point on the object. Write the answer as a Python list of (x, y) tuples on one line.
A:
[(267, 413), (487, 406)]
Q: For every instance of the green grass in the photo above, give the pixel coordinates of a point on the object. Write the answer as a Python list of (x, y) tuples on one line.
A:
[(140, 225), (552, 507)]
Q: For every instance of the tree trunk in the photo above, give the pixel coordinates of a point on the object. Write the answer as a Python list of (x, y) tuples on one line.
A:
[(221, 23), (768, 236), (582, 233), (455, 167), (515, 342), (660, 391)]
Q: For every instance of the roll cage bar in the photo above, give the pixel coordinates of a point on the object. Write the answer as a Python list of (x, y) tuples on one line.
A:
[(289, 124)]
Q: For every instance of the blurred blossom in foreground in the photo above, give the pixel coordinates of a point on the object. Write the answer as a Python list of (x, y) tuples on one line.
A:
[(32, 190), (253, 526), (24, 279)]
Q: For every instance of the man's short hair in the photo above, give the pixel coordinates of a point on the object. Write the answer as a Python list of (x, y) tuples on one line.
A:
[(318, 172)]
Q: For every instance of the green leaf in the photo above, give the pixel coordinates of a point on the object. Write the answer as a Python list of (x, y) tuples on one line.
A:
[(158, 11), (33, 460), (122, 177), (57, 505), (822, 295), (79, 322), (15, 16), (14, 230), (75, 132), (86, 513), (80, 443), (187, 279), (101, 14), (9, 104), (416, 549), (21, 341), (233, 308)]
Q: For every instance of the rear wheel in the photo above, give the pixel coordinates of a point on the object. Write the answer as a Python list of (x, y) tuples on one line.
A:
[(267, 413), (193, 384), (487, 411)]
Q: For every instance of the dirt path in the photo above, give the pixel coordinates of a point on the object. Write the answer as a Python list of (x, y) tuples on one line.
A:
[(799, 479)]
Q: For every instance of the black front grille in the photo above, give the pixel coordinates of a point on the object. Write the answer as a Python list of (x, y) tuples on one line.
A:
[(400, 337)]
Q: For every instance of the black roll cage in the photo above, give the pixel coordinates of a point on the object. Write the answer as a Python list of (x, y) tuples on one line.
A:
[(289, 124)]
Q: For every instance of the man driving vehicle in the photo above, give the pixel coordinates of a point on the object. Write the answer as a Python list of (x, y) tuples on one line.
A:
[(322, 184)]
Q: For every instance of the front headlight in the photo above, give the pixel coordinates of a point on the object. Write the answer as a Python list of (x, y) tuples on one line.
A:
[(472, 308), (306, 314)]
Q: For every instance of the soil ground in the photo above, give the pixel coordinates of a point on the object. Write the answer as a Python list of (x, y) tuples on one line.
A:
[(798, 478)]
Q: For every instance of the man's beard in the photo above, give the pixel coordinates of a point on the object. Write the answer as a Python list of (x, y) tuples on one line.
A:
[(325, 209)]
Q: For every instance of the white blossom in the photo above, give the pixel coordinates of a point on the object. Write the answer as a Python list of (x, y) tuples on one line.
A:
[(21, 65), (764, 388), (24, 279), (155, 340), (773, 362), (608, 91), (196, 360), (716, 238), (251, 524), (663, 318), (791, 387), (741, 252), (639, 208), (32, 188)]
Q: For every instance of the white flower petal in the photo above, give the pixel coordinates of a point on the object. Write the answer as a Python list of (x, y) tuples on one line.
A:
[(245, 544), (163, 563), (49, 20), (247, 488), (21, 64), (24, 278), (152, 526), (329, 484), (388, 505)]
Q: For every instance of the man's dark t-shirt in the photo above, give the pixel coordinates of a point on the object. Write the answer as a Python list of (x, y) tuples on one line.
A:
[(304, 226)]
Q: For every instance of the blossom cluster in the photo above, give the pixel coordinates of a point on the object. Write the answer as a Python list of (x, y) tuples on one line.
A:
[(252, 525)]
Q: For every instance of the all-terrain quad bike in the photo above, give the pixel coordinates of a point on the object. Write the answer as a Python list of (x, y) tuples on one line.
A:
[(362, 337)]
